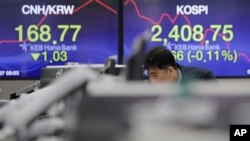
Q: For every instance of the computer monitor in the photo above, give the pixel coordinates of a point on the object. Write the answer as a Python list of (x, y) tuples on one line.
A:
[(36, 34), (50, 73), (212, 34)]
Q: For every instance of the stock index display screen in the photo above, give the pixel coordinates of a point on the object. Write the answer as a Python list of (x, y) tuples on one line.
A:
[(38, 33), (212, 34)]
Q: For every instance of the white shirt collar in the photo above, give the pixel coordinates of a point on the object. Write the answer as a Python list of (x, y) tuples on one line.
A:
[(179, 76)]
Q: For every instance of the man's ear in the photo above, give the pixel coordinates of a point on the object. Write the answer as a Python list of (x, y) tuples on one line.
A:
[(171, 69)]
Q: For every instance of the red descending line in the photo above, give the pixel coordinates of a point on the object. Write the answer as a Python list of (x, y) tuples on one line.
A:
[(244, 55), (126, 2), (219, 34), (9, 41), (172, 20), (106, 6), (82, 6)]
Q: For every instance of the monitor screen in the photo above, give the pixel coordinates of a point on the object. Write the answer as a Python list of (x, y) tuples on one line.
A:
[(40, 33), (208, 34)]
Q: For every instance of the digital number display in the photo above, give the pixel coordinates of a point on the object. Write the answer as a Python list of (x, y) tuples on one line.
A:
[(207, 34), (35, 34)]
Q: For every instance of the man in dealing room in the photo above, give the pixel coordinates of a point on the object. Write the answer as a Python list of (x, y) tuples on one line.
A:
[(161, 67)]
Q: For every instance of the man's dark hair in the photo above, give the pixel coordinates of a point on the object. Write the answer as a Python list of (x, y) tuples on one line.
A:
[(159, 57)]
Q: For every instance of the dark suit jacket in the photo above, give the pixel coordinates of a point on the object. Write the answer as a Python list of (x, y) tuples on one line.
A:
[(194, 73)]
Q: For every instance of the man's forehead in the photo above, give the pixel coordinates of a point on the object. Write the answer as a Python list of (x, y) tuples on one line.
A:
[(153, 70)]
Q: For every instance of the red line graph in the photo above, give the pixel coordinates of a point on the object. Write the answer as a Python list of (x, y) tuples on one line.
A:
[(9, 41), (42, 20), (148, 19), (172, 20), (106, 6), (244, 55), (82, 6)]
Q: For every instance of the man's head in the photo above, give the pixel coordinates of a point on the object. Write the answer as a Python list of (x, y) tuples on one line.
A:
[(160, 65)]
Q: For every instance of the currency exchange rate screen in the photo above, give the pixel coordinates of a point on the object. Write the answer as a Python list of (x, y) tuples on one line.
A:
[(37, 33), (212, 34)]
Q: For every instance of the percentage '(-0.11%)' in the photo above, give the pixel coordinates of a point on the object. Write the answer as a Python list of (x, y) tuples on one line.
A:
[(205, 56)]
